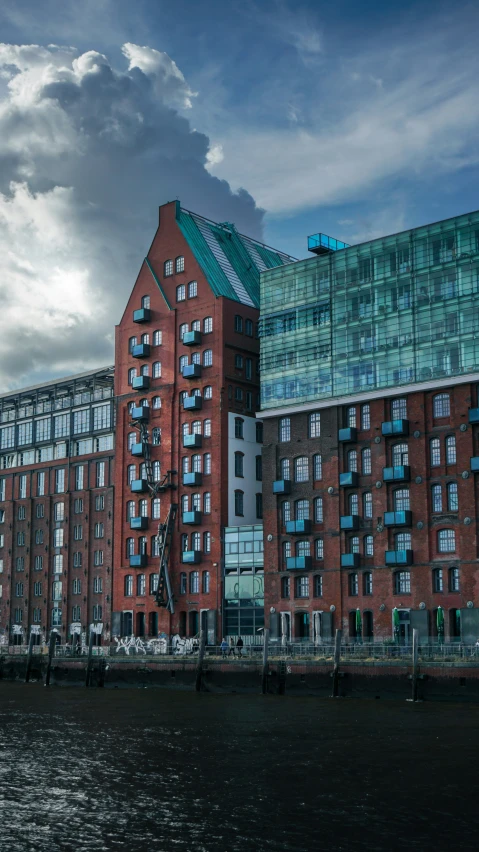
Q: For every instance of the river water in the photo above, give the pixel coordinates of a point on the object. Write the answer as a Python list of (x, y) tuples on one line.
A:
[(158, 771)]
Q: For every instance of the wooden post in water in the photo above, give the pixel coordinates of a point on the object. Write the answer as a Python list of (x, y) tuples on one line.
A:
[(264, 681), (89, 660), (337, 656), (415, 662), (51, 654), (199, 667), (29, 658)]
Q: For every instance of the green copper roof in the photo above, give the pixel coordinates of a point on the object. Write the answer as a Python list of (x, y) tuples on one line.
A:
[(231, 262)]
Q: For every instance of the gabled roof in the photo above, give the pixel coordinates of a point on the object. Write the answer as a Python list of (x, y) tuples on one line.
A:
[(231, 262)]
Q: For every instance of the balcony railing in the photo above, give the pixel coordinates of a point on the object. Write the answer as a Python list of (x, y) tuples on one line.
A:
[(141, 350), (139, 486), (299, 563), (399, 473), (298, 527), (140, 523), (140, 560), (193, 478), (395, 427), (191, 557), (141, 412), (142, 315), (398, 557), (350, 560), (192, 338), (349, 433), (398, 519), (192, 518), (193, 440), (141, 383), (350, 478), (282, 486), (193, 403), (191, 371), (349, 522)]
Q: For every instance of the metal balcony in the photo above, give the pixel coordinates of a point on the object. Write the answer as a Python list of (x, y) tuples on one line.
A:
[(138, 450), (475, 463), (398, 519), (140, 560), (350, 560), (192, 338), (191, 371), (191, 557), (141, 412), (398, 557), (282, 486), (349, 522), (193, 403), (298, 527), (139, 523), (322, 244), (395, 427), (194, 478), (192, 518), (139, 486), (141, 350), (350, 433), (141, 383), (142, 315), (351, 478), (400, 473), (192, 441), (474, 415), (299, 563)]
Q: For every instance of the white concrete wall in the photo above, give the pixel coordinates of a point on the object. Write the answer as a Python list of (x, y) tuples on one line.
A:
[(248, 482)]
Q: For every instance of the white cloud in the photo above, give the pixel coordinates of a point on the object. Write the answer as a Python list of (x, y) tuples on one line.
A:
[(215, 155), (162, 69)]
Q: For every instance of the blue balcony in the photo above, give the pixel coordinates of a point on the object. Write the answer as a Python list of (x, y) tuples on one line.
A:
[(192, 440), (349, 522), (192, 338), (350, 560), (139, 486), (474, 415), (350, 433), (138, 450), (194, 478), (298, 527), (141, 350), (191, 557), (400, 473), (398, 519), (322, 244), (299, 563), (349, 478), (282, 486), (139, 561), (395, 427), (398, 557), (141, 412), (191, 371), (193, 403), (475, 464), (192, 518), (139, 523), (141, 383), (142, 315)]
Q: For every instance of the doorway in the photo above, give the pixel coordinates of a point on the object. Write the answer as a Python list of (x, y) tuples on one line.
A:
[(285, 627), (193, 623), (301, 626)]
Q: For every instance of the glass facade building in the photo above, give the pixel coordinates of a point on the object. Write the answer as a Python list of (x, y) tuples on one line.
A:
[(396, 311), (244, 582)]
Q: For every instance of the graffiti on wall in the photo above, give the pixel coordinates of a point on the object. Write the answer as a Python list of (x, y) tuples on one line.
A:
[(137, 645)]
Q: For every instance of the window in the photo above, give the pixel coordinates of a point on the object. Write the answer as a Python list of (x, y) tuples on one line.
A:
[(353, 584), (284, 467), (141, 584), (248, 327), (437, 580), (60, 481), (259, 433), (238, 394), (157, 337), (318, 510), (102, 416), (40, 510), (453, 579), (181, 293), (183, 583), (286, 511), (302, 587), (401, 500), (77, 559), (156, 401), (76, 586), (317, 467), (207, 503), (302, 510), (42, 429), (97, 612), (303, 548), (207, 463), (259, 505), (259, 468), (58, 538), (351, 416), (153, 583), (192, 289), (441, 405), (238, 362), (205, 582), (285, 587), (319, 548), (156, 370), (367, 504), (208, 392), (451, 449), (402, 582), (367, 583), (285, 429), (61, 425), (97, 585), (315, 425), (239, 498), (207, 325), (286, 549), (19, 590), (239, 427), (318, 586), (41, 483), (98, 557), (22, 490), (207, 428), (194, 583), (38, 564), (239, 459), (180, 264), (183, 329), (57, 590), (128, 585), (59, 511), (301, 469), (99, 530), (196, 463), (168, 268), (39, 536), (20, 563), (132, 343), (353, 504), (446, 541), (78, 506), (352, 460), (403, 541), (239, 324), (365, 417), (131, 473), (435, 452), (99, 502), (399, 409), (436, 498), (206, 542), (37, 589), (452, 497), (22, 513), (249, 368), (78, 532), (249, 400), (400, 455)]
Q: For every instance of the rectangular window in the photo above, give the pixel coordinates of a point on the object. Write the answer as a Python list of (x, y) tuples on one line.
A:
[(102, 417), (41, 483), (315, 425), (100, 474), (78, 532), (25, 433), (181, 293), (99, 502), (99, 530), (81, 421), (43, 429), (79, 477), (248, 368), (285, 429), (317, 467), (399, 409), (61, 425), (22, 492), (60, 480), (365, 416)]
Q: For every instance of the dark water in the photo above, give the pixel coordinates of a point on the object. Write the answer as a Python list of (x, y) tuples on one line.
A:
[(152, 770)]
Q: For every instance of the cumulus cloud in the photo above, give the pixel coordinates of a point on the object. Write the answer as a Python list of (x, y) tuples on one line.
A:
[(87, 153)]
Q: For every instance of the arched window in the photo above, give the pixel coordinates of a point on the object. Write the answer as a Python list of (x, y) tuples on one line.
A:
[(452, 497), (196, 502), (207, 428), (196, 463), (286, 511), (194, 582), (435, 452), (301, 589), (207, 502), (301, 469), (183, 362), (144, 402), (353, 504), (285, 468), (155, 508), (196, 358), (180, 264), (128, 585), (145, 301), (131, 473), (317, 467), (446, 541), (436, 498), (351, 416), (451, 449), (207, 325), (156, 436), (208, 392), (319, 548), (196, 427), (131, 343), (157, 338), (366, 461), (181, 293), (196, 325), (185, 503), (441, 405), (207, 463), (182, 583), (302, 510), (132, 439), (143, 508), (131, 375), (153, 590), (192, 289), (285, 587), (368, 544), (143, 545), (130, 509), (157, 370), (318, 510), (184, 542), (352, 461), (206, 542), (195, 392), (141, 584), (168, 268), (400, 455), (156, 402), (145, 338), (401, 500), (156, 471), (207, 358), (144, 370), (205, 582), (239, 459), (183, 329), (367, 504)]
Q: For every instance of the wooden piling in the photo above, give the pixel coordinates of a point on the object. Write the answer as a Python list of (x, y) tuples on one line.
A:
[(264, 680), (199, 666), (89, 659), (415, 662), (51, 654), (337, 657), (29, 657)]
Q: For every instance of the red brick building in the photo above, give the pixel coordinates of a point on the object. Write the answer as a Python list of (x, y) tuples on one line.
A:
[(186, 371)]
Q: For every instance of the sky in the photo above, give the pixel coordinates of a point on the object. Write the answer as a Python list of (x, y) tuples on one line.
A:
[(287, 117)]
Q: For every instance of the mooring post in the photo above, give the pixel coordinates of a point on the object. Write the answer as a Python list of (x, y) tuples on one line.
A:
[(264, 682), (415, 662), (29, 658), (89, 660), (199, 667), (337, 657), (51, 654)]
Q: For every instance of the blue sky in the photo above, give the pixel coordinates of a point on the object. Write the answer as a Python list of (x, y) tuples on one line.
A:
[(357, 119)]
